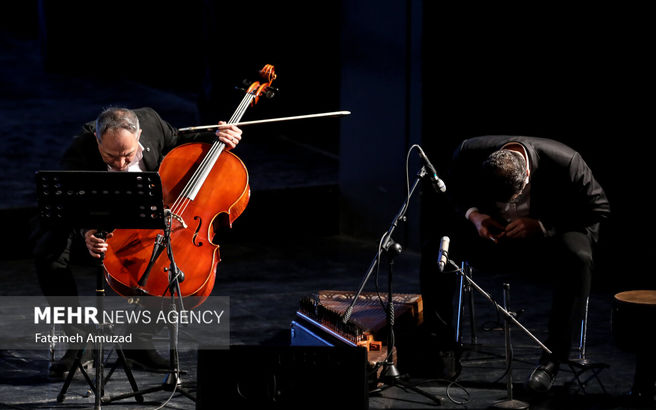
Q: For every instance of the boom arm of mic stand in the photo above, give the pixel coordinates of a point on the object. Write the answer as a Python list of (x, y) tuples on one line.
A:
[(386, 241), (500, 308)]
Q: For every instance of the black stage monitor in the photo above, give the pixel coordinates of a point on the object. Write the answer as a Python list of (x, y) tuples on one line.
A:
[(282, 378)]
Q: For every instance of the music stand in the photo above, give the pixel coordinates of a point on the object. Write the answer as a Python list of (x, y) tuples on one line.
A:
[(103, 201)]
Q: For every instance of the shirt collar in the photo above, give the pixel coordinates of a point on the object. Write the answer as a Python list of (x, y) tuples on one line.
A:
[(524, 154)]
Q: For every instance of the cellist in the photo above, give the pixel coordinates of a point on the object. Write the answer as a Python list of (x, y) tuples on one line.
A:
[(121, 140)]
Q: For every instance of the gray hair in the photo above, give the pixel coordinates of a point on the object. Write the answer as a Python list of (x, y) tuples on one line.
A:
[(115, 118), (504, 174)]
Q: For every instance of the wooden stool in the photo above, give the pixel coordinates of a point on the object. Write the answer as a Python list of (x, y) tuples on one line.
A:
[(633, 318)]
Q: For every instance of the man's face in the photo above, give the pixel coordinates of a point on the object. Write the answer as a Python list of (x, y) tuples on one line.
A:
[(119, 147)]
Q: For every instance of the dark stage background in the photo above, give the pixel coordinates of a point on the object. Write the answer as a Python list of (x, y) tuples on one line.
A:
[(410, 72)]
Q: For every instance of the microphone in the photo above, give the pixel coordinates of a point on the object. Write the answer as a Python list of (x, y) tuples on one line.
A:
[(158, 247), (438, 184), (443, 256)]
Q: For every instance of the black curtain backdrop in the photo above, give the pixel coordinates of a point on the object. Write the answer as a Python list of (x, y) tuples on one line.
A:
[(578, 75), (581, 75)]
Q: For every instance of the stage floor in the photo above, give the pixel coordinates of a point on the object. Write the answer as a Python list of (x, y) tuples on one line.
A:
[(265, 281)]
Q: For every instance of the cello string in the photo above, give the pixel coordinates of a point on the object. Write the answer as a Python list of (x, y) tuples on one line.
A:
[(216, 146), (182, 202), (215, 152), (211, 157), (189, 187)]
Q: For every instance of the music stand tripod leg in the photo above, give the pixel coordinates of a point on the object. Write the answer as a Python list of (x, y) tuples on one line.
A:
[(100, 305), (128, 372), (97, 386), (77, 364)]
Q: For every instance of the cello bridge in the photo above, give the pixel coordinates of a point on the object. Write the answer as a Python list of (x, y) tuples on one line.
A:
[(179, 219)]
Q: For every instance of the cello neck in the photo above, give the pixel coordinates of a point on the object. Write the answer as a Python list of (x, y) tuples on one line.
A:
[(241, 109), (196, 181)]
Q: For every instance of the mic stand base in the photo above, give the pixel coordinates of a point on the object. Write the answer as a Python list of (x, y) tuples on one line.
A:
[(173, 382), (391, 377), (510, 404)]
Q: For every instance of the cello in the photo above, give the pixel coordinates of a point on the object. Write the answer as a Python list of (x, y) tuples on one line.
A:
[(203, 187)]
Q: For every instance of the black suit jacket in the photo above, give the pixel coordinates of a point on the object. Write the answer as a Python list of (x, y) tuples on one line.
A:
[(565, 196), (158, 137)]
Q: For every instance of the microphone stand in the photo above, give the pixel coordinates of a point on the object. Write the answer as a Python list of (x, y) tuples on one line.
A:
[(509, 403), (390, 375), (172, 381), (386, 243)]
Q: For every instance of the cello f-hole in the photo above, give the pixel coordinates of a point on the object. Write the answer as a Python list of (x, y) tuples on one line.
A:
[(200, 222)]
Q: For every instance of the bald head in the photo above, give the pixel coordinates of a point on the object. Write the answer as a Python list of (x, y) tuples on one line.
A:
[(115, 118)]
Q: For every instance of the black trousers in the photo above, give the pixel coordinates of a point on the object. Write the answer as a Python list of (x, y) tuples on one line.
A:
[(52, 259), (566, 260)]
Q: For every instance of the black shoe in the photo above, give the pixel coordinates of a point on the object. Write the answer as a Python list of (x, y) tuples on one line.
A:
[(61, 367), (543, 377), (146, 359)]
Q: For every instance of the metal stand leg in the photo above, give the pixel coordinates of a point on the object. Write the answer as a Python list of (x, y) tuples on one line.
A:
[(583, 338), (172, 382), (582, 364), (390, 375), (97, 386), (465, 288), (509, 403)]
